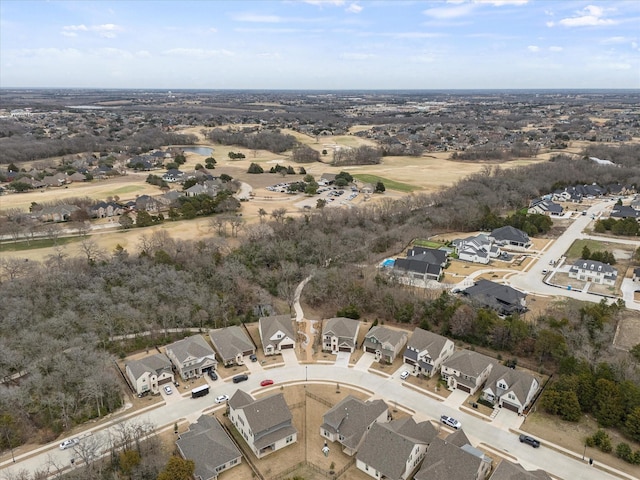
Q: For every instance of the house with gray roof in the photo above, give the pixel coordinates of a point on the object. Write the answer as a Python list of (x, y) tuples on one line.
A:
[(507, 470), (277, 334), (349, 420), (265, 424), (476, 249), (421, 263), (192, 356), (208, 445), (150, 373), (510, 388), (384, 342), (467, 370), (57, 213), (232, 344), (394, 450), (426, 351), (511, 237), (545, 207), (340, 334), (447, 461), (593, 271), (502, 298)]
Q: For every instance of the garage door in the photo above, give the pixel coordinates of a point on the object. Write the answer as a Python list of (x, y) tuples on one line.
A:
[(344, 349), (284, 347), (370, 350), (464, 388), (510, 406), (164, 380)]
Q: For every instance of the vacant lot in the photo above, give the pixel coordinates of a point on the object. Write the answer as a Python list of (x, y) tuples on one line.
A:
[(628, 333)]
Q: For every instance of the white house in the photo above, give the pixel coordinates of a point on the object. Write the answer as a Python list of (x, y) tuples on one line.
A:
[(192, 356), (592, 271), (276, 334), (340, 335), (509, 388), (150, 373)]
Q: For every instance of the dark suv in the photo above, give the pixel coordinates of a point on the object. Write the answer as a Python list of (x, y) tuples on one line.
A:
[(240, 378), (212, 375), (530, 440)]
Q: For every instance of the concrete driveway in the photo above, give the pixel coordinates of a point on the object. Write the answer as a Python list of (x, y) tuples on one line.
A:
[(365, 362), (289, 357), (342, 359)]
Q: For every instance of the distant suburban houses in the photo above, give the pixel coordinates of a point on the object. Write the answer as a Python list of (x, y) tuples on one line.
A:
[(502, 298), (422, 264)]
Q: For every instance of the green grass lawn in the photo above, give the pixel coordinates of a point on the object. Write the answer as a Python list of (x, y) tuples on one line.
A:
[(127, 189), (427, 244), (388, 184), (575, 251)]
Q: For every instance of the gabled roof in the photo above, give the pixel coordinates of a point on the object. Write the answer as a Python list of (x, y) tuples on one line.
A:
[(195, 346), (446, 461), (594, 266), (230, 341), (351, 417), (421, 340), (269, 418), (341, 327), (417, 264), (154, 364), (208, 445), (388, 445), (507, 470), (270, 325), (510, 234), (429, 255), (386, 335), (518, 382), (469, 362)]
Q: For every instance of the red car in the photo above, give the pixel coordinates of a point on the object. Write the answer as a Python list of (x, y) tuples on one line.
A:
[(264, 383)]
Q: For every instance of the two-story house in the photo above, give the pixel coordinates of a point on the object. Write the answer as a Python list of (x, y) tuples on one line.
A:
[(208, 445), (511, 237), (149, 373), (426, 351), (467, 370), (265, 424), (277, 334), (507, 470), (340, 335), (394, 450), (592, 271), (350, 419), (384, 342), (477, 249), (510, 388), (191, 356)]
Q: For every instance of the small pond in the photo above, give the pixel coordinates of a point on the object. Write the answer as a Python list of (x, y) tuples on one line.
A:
[(204, 151)]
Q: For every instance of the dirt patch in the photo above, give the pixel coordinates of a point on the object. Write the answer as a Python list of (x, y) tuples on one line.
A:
[(572, 437), (628, 333)]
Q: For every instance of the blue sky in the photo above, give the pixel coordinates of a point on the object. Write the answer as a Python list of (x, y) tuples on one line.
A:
[(316, 44)]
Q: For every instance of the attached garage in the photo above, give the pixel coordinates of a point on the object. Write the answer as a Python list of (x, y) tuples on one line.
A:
[(164, 380), (344, 349), (370, 350), (511, 406), (462, 387), (286, 346)]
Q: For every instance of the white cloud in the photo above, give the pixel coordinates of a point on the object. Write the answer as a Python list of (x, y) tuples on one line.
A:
[(555, 49), (57, 53), (107, 30), (614, 40), (356, 56), (445, 13), (533, 48), (320, 3), (354, 8), (413, 35), (590, 16)]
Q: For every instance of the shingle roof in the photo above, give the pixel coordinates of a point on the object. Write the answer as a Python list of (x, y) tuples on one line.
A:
[(208, 445), (270, 325), (507, 470), (341, 327), (230, 341), (519, 382), (263, 414), (422, 339), (194, 346), (154, 364), (351, 417), (469, 362), (594, 266), (384, 335), (446, 461), (496, 295), (510, 234), (388, 445)]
